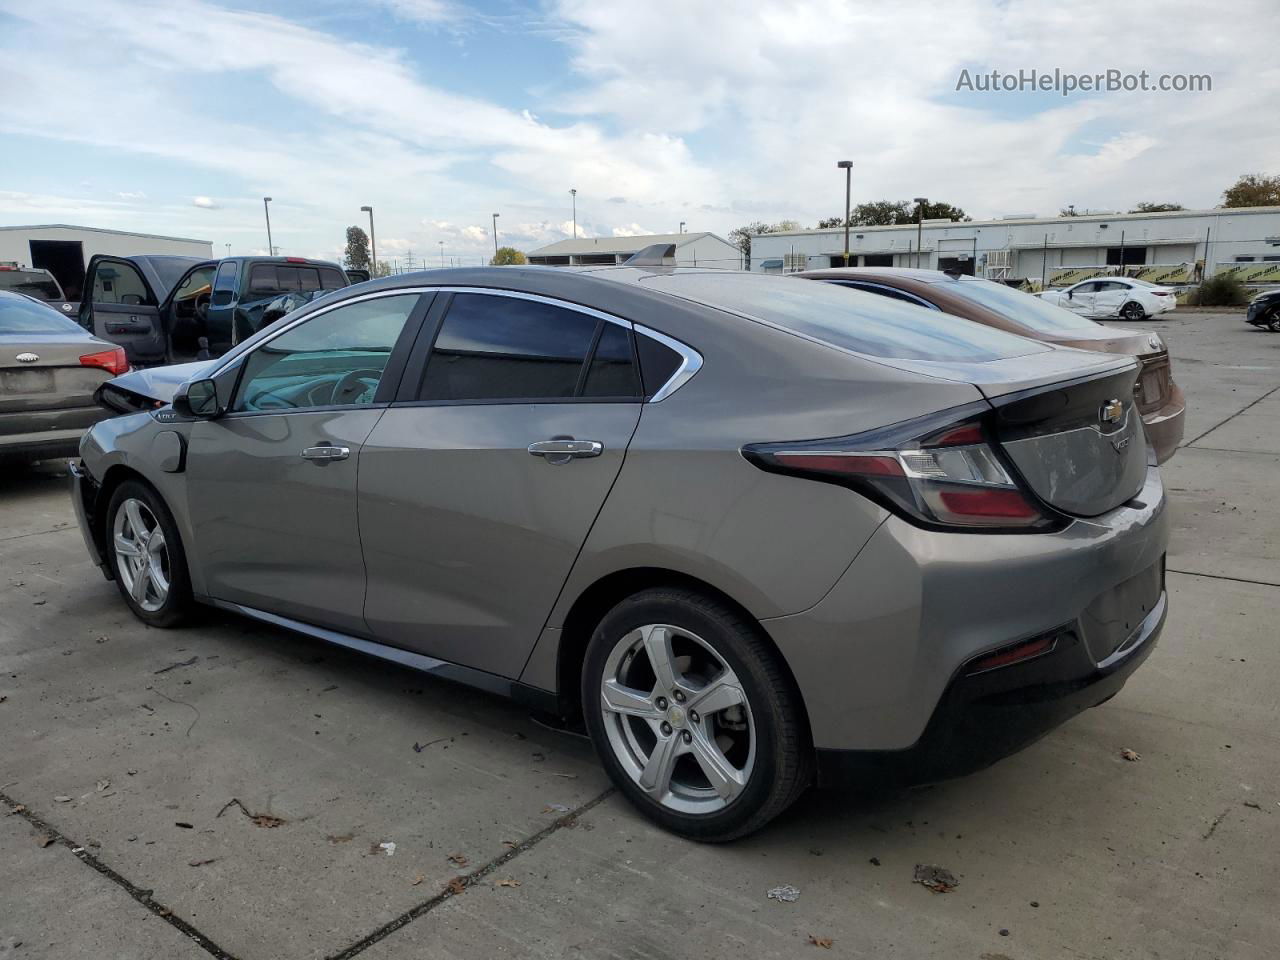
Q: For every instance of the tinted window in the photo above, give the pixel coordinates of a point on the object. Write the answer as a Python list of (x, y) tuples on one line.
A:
[(612, 372), (881, 291), (334, 359), (20, 315), (308, 278), (1020, 307), (850, 319), (115, 281), (170, 269), (331, 279), (505, 348), (658, 363), (224, 284), (31, 283), (263, 279)]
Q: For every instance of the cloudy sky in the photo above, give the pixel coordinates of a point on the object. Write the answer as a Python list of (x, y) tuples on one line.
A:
[(178, 116)]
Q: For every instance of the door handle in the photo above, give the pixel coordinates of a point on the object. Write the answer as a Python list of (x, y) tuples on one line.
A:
[(564, 450), (325, 453)]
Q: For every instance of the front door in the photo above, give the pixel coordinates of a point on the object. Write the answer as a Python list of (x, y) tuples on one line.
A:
[(120, 307), (1082, 297), (479, 487), (272, 483)]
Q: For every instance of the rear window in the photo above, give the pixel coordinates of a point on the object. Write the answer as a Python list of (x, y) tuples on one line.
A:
[(20, 315), (1021, 307), (851, 319), (31, 283)]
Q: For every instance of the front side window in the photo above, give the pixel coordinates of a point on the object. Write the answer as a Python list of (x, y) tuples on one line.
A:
[(224, 284), (115, 281), (507, 348), (334, 359)]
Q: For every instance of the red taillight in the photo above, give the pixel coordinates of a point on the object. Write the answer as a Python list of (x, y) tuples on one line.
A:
[(295, 259), (113, 361), (1014, 653), (937, 475)]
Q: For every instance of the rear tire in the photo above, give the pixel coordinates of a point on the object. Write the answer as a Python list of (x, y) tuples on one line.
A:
[(712, 775), (1134, 311), (146, 556)]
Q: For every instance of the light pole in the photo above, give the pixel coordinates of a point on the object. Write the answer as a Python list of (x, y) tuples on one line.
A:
[(271, 251), (373, 244), (847, 167), (681, 230), (920, 202), (495, 236), (441, 242), (574, 194), (228, 249)]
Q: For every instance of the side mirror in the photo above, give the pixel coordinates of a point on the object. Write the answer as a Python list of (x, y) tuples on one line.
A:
[(198, 399)]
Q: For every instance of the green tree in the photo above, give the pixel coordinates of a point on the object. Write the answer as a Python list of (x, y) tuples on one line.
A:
[(740, 237), (507, 256), (1068, 211), (888, 213), (357, 255), (383, 269), (1253, 190), (1146, 207)]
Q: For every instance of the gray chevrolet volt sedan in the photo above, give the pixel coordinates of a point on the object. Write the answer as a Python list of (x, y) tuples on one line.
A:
[(757, 533)]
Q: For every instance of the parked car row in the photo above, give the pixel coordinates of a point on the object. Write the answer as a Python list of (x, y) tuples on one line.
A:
[(736, 523)]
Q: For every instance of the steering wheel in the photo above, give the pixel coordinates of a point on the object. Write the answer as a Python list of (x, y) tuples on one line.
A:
[(202, 307), (353, 384)]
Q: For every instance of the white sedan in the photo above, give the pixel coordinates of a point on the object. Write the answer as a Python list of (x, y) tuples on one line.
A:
[(1113, 297)]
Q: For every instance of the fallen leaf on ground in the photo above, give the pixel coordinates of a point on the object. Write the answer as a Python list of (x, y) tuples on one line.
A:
[(417, 880), (555, 808), (266, 820), (19, 808), (166, 912), (388, 847), (936, 879), (340, 838), (103, 784), (201, 863), (510, 844), (43, 840), (784, 894), (507, 882), (1130, 755), (457, 859), (824, 942), (457, 885)]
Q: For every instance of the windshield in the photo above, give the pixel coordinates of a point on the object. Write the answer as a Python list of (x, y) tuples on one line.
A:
[(1022, 307), (31, 283), (170, 270), (20, 315), (864, 323)]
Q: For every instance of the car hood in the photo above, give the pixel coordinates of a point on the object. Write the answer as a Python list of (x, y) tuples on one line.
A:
[(149, 388), (1106, 339)]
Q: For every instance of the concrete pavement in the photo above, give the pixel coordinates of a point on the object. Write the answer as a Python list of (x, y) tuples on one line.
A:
[(1069, 849)]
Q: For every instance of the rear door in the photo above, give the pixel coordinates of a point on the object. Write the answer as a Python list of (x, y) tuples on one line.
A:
[(120, 306), (480, 483)]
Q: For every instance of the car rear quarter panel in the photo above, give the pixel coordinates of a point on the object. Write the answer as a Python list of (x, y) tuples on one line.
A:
[(688, 502)]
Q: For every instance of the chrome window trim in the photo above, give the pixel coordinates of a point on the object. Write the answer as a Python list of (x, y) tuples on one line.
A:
[(893, 292), (690, 359), (690, 362)]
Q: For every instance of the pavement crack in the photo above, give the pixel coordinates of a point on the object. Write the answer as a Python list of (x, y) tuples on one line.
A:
[(1232, 417), (141, 895), (37, 533), (459, 884), (1223, 576), (1214, 826)]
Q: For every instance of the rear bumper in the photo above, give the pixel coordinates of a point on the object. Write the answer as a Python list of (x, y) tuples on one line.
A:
[(1165, 426), (987, 716), (47, 433)]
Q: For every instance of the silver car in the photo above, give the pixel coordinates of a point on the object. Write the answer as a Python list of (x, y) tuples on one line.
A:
[(757, 533)]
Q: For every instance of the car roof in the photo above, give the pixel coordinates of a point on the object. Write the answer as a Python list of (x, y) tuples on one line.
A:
[(884, 273)]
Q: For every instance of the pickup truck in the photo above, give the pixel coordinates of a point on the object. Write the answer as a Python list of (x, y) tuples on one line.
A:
[(37, 283), (167, 309)]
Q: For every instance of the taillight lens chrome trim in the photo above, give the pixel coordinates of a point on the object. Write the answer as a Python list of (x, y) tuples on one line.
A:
[(946, 476)]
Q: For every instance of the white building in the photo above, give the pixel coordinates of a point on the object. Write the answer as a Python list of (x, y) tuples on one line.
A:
[(65, 250), (1163, 247), (692, 250)]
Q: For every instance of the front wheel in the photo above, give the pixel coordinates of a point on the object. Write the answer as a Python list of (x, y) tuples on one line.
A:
[(146, 555), (693, 715), (1273, 323), (1133, 311)]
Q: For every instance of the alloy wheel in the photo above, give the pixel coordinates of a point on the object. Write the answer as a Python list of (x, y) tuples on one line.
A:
[(142, 555), (677, 719), (1133, 311)]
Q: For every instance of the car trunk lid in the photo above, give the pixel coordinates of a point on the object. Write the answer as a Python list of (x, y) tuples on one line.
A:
[(49, 375)]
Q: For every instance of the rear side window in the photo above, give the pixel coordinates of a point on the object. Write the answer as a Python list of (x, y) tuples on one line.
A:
[(331, 279), (612, 371), (850, 319), (658, 363), (505, 348), (263, 279)]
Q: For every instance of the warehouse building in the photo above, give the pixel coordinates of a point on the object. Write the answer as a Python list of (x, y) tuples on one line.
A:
[(65, 250), (692, 250), (1176, 247)]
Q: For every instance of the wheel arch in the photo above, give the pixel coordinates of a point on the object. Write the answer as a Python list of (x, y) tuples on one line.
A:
[(601, 596)]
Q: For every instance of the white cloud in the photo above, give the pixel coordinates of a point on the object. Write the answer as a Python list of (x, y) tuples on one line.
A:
[(204, 203), (630, 230), (130, 196), (423, 11)]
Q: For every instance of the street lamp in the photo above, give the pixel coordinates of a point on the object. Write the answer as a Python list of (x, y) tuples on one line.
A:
[(373, 244), (495, 236), (228, 249), (574, 193), (441, 242), (681, 227), (847, 167), (267, 210), (920, 202)]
